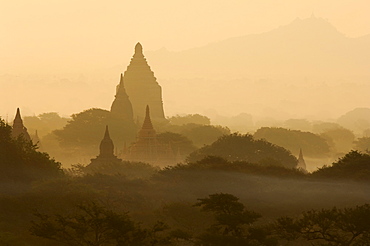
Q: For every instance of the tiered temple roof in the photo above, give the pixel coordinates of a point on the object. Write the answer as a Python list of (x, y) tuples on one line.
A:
[(142, 87)]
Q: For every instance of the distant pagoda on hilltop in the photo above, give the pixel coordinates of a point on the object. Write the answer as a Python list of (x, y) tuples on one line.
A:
[(139, 87), (18, 128)]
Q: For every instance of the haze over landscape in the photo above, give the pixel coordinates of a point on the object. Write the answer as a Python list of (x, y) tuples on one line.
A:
[(312, 53), (184, 123)]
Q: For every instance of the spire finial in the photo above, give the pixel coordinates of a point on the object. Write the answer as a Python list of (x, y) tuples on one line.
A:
[(147, 121), (106, 135), (138, 50)]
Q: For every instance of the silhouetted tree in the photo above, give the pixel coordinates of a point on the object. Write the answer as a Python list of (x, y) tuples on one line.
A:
[(178, 142), (340, 139), (237, 147), (83, 133), (20, 160), (233, 222), (354, 165), (95, 225), (336, 227), (190, 118), (312, 144)]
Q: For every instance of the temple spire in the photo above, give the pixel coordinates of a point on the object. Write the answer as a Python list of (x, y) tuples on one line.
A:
[(147, 121), (18, 127), (106, 145), (301, 163), (138, 50)]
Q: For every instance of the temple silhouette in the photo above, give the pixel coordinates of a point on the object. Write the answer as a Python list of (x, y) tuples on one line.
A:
[(147, 148), (106, 154), (138, 88), (18, 128)]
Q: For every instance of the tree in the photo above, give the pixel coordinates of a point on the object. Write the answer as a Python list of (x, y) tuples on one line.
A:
[(354, 165), (20, 161), (95, 225), (237, 147), (312, 144), (83, 133), (336, 227), (233, 222), (362, 144), (190, 118), (178, 142), (341, 139)]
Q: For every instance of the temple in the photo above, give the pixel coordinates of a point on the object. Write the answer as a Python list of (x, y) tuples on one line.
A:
[(141, 87), (301, 163), (106, 155), (18, 128), (147, 147)]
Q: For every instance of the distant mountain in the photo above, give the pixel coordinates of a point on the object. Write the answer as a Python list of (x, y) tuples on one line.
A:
[(310, 47)]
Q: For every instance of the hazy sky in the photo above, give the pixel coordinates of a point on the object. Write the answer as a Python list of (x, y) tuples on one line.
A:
[(59, 34), (58, 37)]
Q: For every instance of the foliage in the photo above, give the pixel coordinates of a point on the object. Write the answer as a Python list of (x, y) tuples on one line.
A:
[(44, 123), (131, 170), (340, 139), (237, 147), (215, 163), (362, 144), (84, 132), (354, 165), (312, 144), (336, 227), (94, 225), (190, 118), (20, 160), (178, 142), (202, 135), (233, 222)]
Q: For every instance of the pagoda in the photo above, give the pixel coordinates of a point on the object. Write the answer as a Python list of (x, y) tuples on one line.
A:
[(18, 128), (106, 155), (142, 88), (301, 163), (147, 147)]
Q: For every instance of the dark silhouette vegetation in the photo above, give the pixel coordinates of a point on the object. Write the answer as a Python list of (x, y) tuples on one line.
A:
[(238, 147), (21, 162)]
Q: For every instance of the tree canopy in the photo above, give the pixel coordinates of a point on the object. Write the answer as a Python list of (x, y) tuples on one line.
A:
[(354, 165), (312, 144), (238, 147), (20, 160)]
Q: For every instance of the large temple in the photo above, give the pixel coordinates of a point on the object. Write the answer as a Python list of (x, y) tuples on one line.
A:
[(140, 88), (18, 128)]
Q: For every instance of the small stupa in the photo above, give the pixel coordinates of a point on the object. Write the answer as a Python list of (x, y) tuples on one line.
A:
[(106, 155)]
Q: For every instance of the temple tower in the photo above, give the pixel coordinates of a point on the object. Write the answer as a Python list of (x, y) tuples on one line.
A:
[(106, 155), (147, 148), (142, 87), (301, 163), (18, 128), (121, 106)]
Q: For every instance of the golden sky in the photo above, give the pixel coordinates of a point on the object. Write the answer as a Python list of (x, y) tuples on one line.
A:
[(43, 42), (63, 32)]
